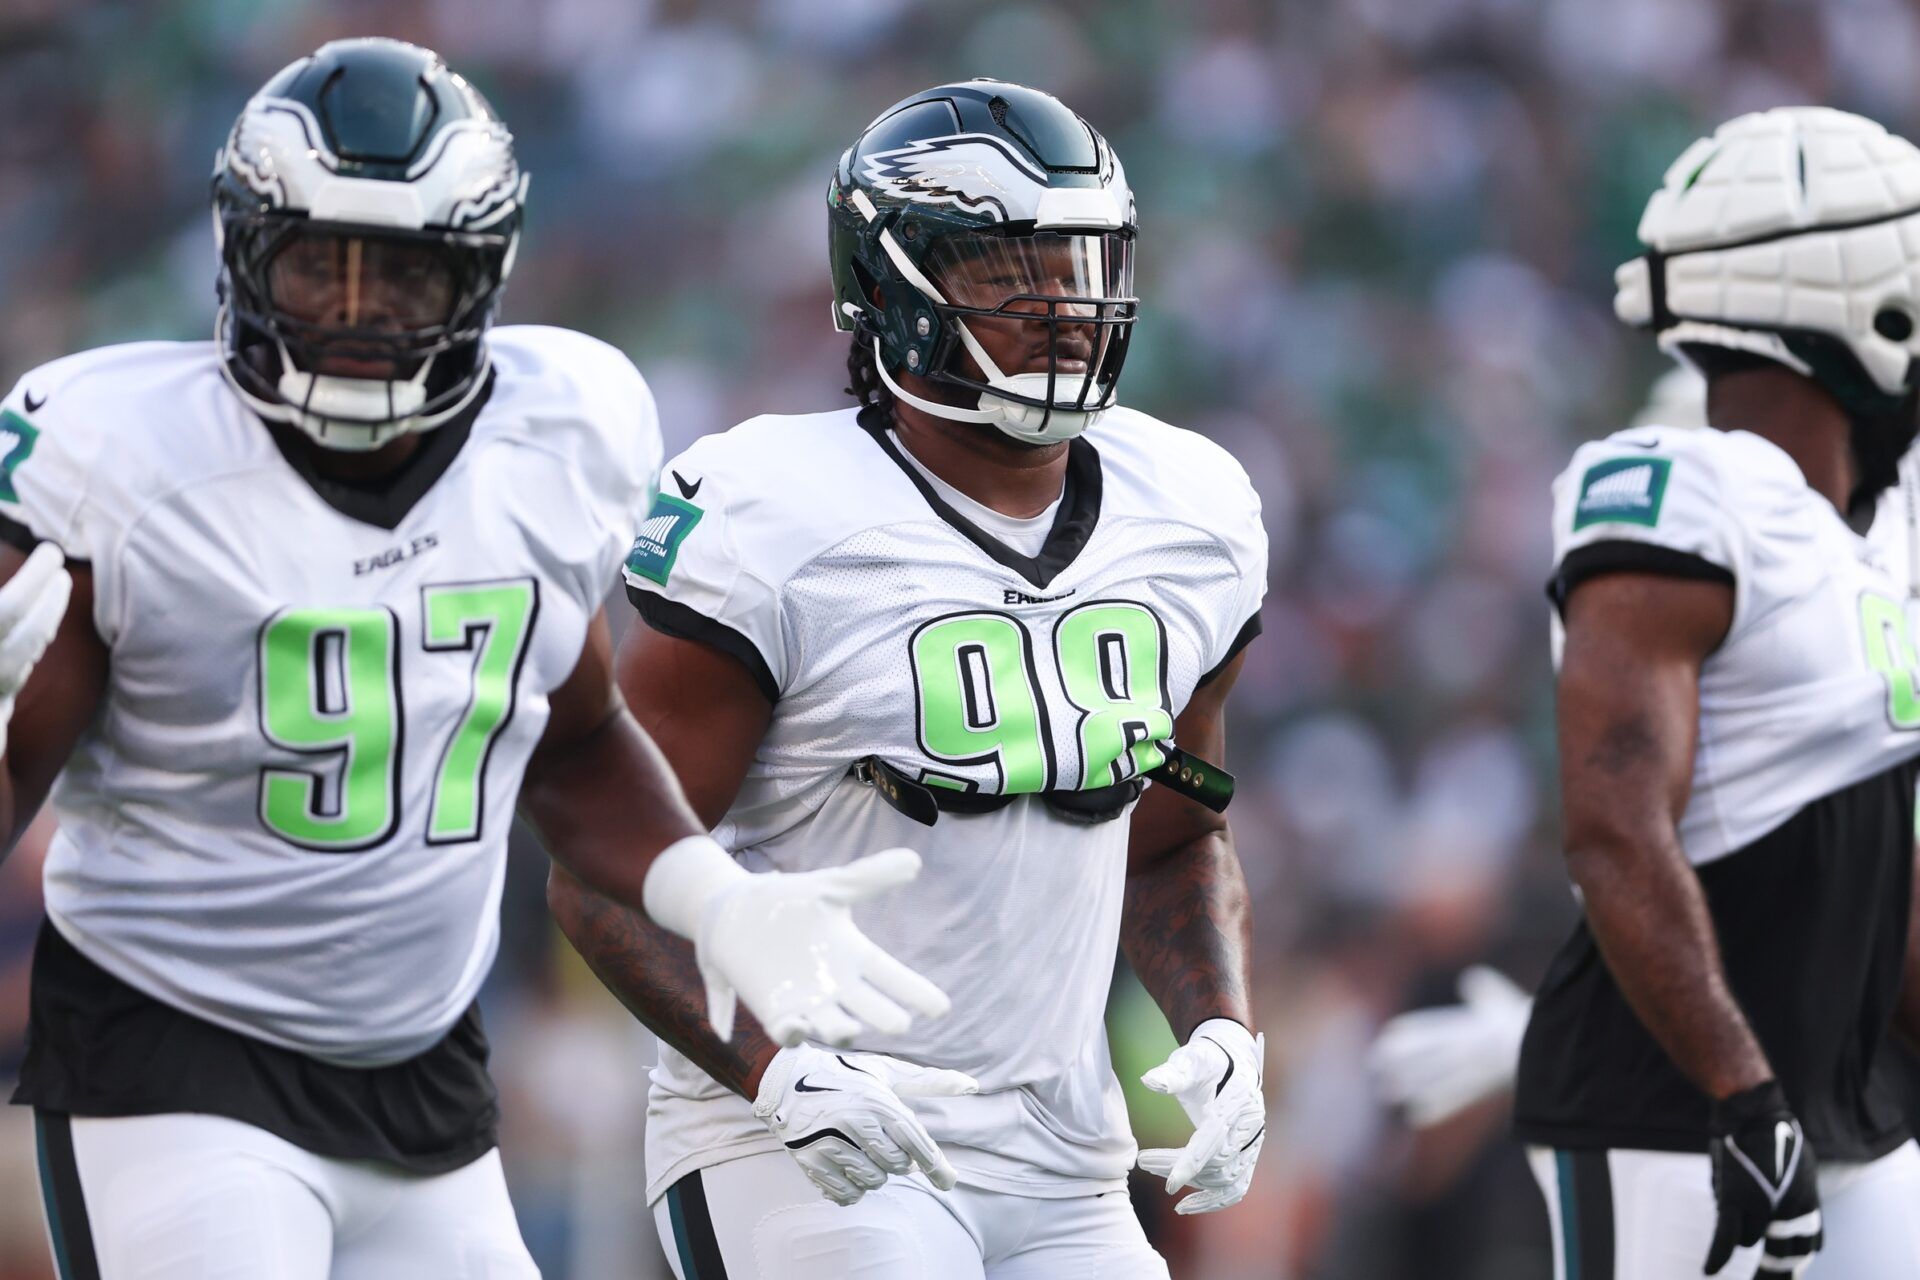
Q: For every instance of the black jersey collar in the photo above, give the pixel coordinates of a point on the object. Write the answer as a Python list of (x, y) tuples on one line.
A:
[(1072, 525), (386, 501)]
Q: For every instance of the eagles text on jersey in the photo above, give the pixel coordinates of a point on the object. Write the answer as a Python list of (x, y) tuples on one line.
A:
[(290, 817)]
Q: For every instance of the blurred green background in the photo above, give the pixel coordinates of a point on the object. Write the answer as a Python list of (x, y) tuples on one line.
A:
[(1376, 257)]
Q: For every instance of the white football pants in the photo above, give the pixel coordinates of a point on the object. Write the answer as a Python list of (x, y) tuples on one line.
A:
[(1649, 1215), (193, 1197), (758, 1218)]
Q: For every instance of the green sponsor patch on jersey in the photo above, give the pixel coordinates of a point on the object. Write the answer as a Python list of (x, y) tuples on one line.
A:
[(667, 525), (1622, 491), (16, 443)]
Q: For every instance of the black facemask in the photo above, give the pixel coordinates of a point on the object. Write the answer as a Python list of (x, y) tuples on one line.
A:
[(1879, 442)]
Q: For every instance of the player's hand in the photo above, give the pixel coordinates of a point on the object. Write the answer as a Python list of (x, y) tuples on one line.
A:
[(1436, 1063), (786, 945), (31, 605), (1764, 1182), (1216, 1076), (843, 1118)]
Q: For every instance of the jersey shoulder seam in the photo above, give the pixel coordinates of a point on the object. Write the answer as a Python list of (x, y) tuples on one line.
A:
[(582, 495), (124, 535), (1217, 539)]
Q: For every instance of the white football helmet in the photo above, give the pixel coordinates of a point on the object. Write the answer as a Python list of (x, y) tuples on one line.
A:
[(367, 208), (985, 204), (1794, 235)]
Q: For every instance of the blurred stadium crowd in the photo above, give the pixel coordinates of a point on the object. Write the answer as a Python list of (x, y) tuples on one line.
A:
[(1378, 238)]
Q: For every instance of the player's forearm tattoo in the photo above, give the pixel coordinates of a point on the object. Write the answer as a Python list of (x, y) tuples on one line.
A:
[(1187, 930), (654, 975)]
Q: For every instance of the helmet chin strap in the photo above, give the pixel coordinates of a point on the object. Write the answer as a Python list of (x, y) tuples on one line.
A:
[(952, 413), (353, 414), (1029, 424), (343, 413)]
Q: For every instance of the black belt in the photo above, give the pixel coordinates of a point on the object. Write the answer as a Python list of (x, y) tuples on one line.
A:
[(1182, 771)]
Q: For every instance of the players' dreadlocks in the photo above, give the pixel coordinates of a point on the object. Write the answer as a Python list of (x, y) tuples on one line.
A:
[(864, 376)]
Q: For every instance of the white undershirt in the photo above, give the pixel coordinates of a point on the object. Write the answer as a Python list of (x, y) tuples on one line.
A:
[(1026, 535)]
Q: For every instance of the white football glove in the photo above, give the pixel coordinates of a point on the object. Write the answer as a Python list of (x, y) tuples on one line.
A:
[(843, 1118), (1216, 1076), (1438, 1062), (31, 605), (786, 945)]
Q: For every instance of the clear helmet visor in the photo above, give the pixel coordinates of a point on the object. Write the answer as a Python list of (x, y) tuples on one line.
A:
[(1041, 318)]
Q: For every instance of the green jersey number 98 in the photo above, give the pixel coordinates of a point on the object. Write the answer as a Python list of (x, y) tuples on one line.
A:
[(978, 690)]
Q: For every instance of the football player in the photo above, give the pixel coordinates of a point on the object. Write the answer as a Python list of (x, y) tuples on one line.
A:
[(1437, 1062), (1739, 721), (336, 582), (978, 609)]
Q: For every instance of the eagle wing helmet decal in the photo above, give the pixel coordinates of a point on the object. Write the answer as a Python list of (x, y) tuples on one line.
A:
[(975, 171)]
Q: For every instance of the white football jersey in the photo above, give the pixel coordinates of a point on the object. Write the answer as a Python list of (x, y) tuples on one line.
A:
[(1817, 684), (1895, 531), (883, 623), (290, 816), (1800, 818)]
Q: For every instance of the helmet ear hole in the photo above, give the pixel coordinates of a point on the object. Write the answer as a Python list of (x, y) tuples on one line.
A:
[(1894, 323), (869, 287)]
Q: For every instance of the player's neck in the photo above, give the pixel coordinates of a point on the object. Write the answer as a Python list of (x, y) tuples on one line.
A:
[(1009, 477), (356, 467), (1795, 413)]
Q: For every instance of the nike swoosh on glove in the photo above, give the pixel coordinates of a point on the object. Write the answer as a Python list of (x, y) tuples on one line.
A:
[(1436, 1063), (31, 605), (1216, 1076), (1764, 1182), (845, 1119)]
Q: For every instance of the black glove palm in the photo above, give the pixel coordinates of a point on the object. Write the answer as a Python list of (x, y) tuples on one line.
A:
[(1763, 1182)]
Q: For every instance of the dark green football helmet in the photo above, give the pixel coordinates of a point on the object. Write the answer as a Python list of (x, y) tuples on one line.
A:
[(980, 204), (368, 208)]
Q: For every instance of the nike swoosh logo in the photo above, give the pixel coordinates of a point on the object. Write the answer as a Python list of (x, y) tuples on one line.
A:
[(1642, 444), (688, 490), (33, 406), (801, 1086), (1222, 1086), (799, 1144)]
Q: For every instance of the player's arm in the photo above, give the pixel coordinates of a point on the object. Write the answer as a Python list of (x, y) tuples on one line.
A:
[(1187, 929), (853, 1128), (53, 675), (1187, 926), (612, 813), (597, 789), (1628, 715), (706, 714)]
